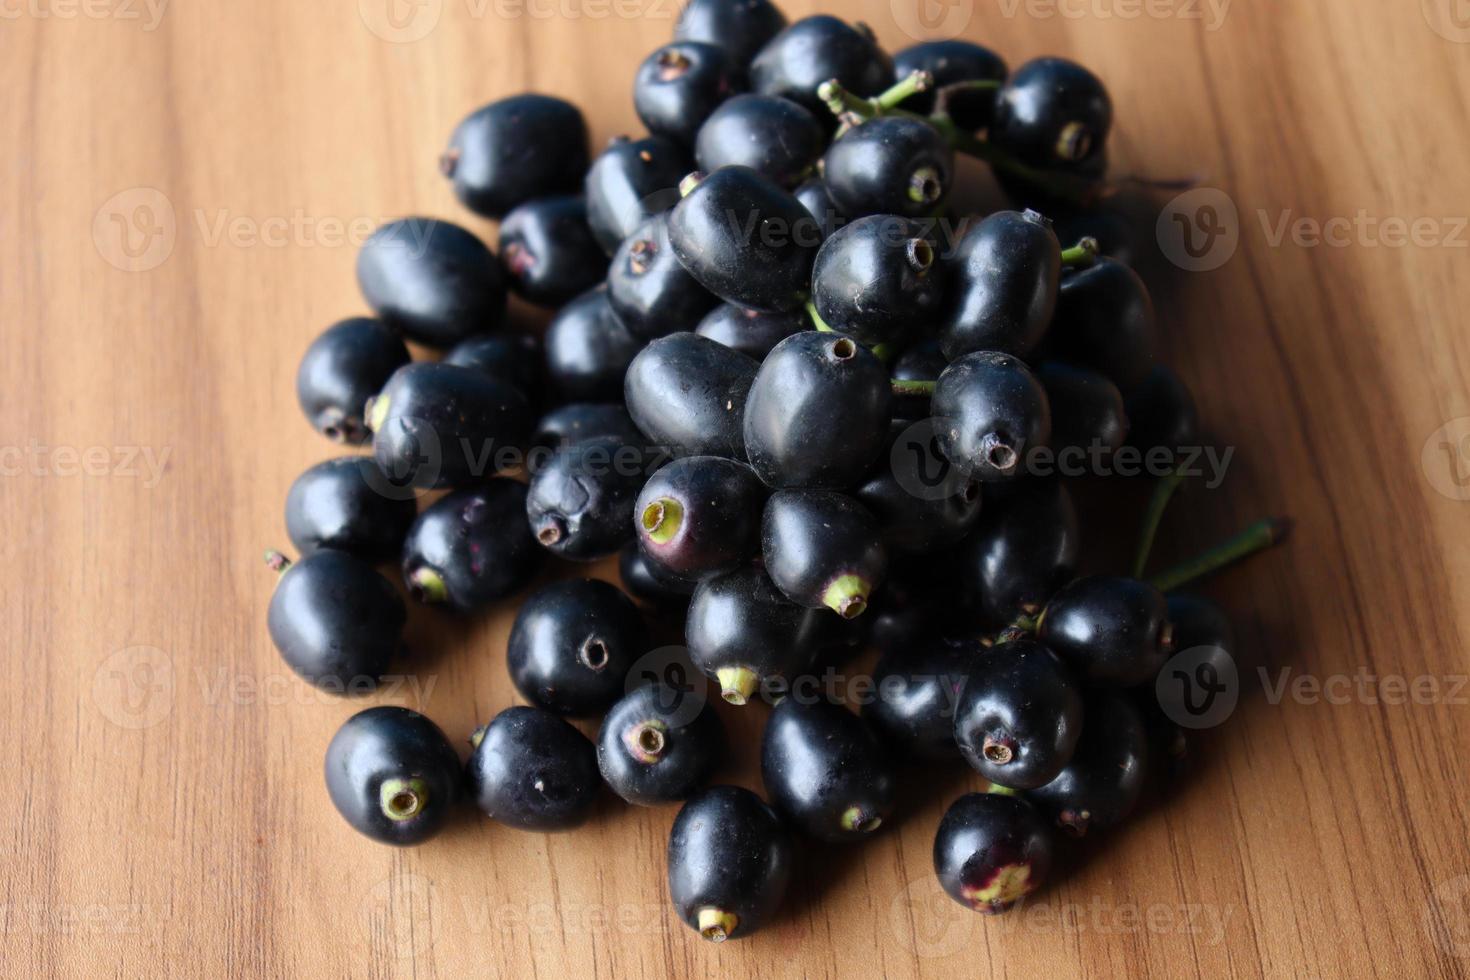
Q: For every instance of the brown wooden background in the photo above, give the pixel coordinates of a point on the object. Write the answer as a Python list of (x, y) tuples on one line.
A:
[(164, 812)]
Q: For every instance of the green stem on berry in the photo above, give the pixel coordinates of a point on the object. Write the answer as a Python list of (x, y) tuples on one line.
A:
[(1258, 537), (817, 322), (276, 561), (1157, 504), (840, 101), (893, 96), (1083, 253), (906, 387)]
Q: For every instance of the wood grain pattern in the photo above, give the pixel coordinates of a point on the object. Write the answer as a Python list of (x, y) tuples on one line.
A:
[(165, 813)]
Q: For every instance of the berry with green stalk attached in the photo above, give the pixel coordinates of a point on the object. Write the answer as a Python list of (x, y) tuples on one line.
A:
[(700, 516), (823, 549), (729, 862), (742, 632), (392, 775), (796, 62), (825, 772), (889, 165), (471, 547), (965, 79)]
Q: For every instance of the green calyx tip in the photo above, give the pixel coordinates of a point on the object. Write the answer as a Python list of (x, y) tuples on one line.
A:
[(716, 925), (376, 412), (403, 799), (647, 740), (997, 789), (847, 596), (737, 684), (661, 519), (427, 585), (861, 820)]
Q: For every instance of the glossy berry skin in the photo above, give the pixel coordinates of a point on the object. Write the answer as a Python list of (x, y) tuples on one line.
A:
[(878, 280), (646, 581), (580, 501), (989, 411), (687, 394), (924, 361), (1052, 113), (431, 281), (815, 49), (548, 252), (1100, 787), (823, 548), (648, 287), (1003, 286), (339, 504), (1114, 632), (1024, 549), (1087, 412), (578, 421), (514, 358), (344, 367), (949, 62), (751, 332), (440, 425), (631, 181), (746, 240), (657, 747), (533, 771), (572, 644), (1020, 716), (1105, 321), (741, 27), (700, 516), (588, 349), (817, 200), (392, 775), (336, 622), (921, 504), (771, 135), (917, 690), (825, 772), (817, 415), (472, 547), (889, 165), (741, 631), (679, 85), (1161, 412), (514, 150), (991, 851), (729, 863)]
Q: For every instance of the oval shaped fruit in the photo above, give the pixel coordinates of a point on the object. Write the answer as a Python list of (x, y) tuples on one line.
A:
[(771, 135), (648, 287), (889, 165), (548, 251), (825, 772), (580, 502), (588, 349), (1113, 631), (431, 281), (472, 547), (1087, 413), (657, 747), (1020, 715), (1101, 785), (741, 28), (392, 775), (630, 181), (729, 863), (533, 771), (337, 504), (1024, 549), (742, 631), (795, 62), (918, 689), (344, 367), (1105, 320), (878, 280), (949, 62), (336, 622), (751, 332), (1004, 276), (572, 644), (679, 85), (823, 548), (516, 149), (991, 851), (1052, 113), (989, 410), (700, 516), (687, 394)]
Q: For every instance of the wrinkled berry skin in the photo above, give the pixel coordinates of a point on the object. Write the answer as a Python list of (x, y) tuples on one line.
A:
[(817, 200), (579, 421), (746, 240), (656, 746), (811, 51), (991, 851), (588, 349), (823, 548), (1024, 549), (741, 27), (1161, 412), (922, 362), (337, 504), (687, 394), (472, 547), (344, 367), (1105, 320), (730, 859), (921, 504), (514, 150), (751, 332), (431, 281), (679, 85), (917, 689), (572, 644), (771, 135), (440, 425), (878, 280), (532, 771), (1052, 113), (649, 289), (740, 620), (989, 411), (548, 251), (949, 62), (392, 775), (336, 622), (646, 581), (1087, 412), (631, 181), (889, 165), (1113, 631), (700, 516), (1021, 713), (580, 502), (1099, 788), (817, 415), (825, 772), (1003, 291), (514, 358)]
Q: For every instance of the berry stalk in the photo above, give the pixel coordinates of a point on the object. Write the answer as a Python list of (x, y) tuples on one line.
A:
[(1258, 537)]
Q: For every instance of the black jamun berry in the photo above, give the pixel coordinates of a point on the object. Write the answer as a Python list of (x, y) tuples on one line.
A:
[(649, 288), (548, 251), (700, 516), (679, 85), (687, 394), (580, 502), (741, 27), (514, 150), (341, 504), (1003, 291), (823, 549), (657, 745), (889, 165), (1105, 320), (825, 772), (742, 631), (432, 281), (1102, 783), (572, 644), (1052, 113), (771, 135), (794, 63), (344, 367), (631, 181), (472, 547), (878, 280), (588, 349), (1024, 549), (1113, 631), (533, 771), (1020, 715), (751, 332), (392, 775), (729, 863), (989, 411), (951, 62), (992, 850)]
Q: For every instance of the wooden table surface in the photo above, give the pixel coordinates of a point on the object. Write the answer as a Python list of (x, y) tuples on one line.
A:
[(183, 190)]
